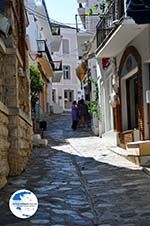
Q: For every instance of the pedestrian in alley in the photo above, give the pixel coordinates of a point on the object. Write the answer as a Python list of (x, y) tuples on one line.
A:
[(83, 113), (74, 112)]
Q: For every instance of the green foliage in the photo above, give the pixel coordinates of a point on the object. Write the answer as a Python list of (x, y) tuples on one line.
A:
[(100, 7), (90, 13), (95, 7), (93, 104), (36, 85)]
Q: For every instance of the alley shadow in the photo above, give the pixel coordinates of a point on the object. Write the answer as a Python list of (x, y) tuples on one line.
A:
[(75, 187), (59, 128), (118, 196)]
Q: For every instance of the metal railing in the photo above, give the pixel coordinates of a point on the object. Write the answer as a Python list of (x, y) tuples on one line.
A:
[(43, 48), (108, 23), (57, 66)]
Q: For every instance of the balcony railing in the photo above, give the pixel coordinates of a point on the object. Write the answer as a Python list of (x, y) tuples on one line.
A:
[(57, 66), (42, 47), (108, 23)]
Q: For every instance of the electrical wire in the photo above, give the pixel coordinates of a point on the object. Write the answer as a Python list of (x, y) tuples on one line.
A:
[(36, 13), (43, 16)]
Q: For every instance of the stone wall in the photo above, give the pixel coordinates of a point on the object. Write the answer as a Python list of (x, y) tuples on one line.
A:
[(4, 145), (15, 109), (15, 142), (20, 136)]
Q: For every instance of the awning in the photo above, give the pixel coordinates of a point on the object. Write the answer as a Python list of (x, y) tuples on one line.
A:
[(57, 76), (45, 66), (119, 39), (81, 71)]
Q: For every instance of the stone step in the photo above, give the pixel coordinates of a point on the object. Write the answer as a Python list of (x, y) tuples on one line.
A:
[(136, 152)]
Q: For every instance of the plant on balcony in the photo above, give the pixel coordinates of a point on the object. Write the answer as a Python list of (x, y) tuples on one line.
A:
[(100, 7), (36, 85), (93, 104)]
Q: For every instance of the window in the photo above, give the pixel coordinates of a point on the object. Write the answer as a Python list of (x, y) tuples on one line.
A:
[(65, 46), (54, 96), (66, 72), (65, 94)]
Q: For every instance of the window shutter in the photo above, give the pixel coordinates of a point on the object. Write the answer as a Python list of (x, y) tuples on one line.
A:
[(2, 5), (65, 46), (139, 10)]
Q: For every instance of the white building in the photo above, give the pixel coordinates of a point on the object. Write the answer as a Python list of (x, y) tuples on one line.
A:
[(67, 88), (40, 41), (87, 46)]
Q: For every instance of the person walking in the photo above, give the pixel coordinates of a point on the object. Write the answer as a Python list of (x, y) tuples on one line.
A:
[(83, 113), (74, 112)]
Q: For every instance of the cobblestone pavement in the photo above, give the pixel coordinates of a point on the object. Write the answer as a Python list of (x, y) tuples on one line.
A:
[(79, 182)]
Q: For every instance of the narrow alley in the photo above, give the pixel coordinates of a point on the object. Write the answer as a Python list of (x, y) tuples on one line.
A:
[(79, 182)]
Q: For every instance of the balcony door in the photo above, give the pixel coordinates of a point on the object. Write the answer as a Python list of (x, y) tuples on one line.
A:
[(132, 102), (68, 99)]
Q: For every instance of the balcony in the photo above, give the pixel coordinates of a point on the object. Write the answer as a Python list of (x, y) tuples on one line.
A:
[(115, 30), (81, 12), (45, 67), (57, 71), (43, 48)]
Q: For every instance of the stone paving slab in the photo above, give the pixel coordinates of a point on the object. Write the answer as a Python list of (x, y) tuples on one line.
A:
[(80, 182)]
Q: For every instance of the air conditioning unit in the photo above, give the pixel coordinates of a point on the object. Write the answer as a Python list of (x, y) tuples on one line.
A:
[(4, 25), (148, 96)]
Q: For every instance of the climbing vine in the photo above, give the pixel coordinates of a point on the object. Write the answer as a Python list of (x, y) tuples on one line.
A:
[(93, 104), (36, 85)]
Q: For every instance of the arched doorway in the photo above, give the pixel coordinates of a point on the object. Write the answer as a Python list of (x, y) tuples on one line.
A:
[(131, 96)]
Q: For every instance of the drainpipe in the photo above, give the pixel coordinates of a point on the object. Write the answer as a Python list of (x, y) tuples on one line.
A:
[(116, 109), (148, 107), (76, 19)]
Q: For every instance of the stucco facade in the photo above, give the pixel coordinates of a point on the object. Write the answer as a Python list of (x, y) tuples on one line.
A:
[(40, 39), (125, 81), (68, 89), (139, 50)]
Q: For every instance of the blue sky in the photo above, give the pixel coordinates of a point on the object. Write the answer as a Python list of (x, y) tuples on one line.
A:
[(62, 10)]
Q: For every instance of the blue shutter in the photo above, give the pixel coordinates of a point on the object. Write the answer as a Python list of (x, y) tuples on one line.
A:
[(139, 10), (2, 5)]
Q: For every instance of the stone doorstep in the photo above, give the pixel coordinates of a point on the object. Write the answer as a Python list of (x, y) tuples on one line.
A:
[(138, 148), (139, 160), (119, 151)]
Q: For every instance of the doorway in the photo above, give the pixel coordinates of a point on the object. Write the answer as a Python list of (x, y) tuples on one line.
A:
[(132, 102), (68, 99)]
